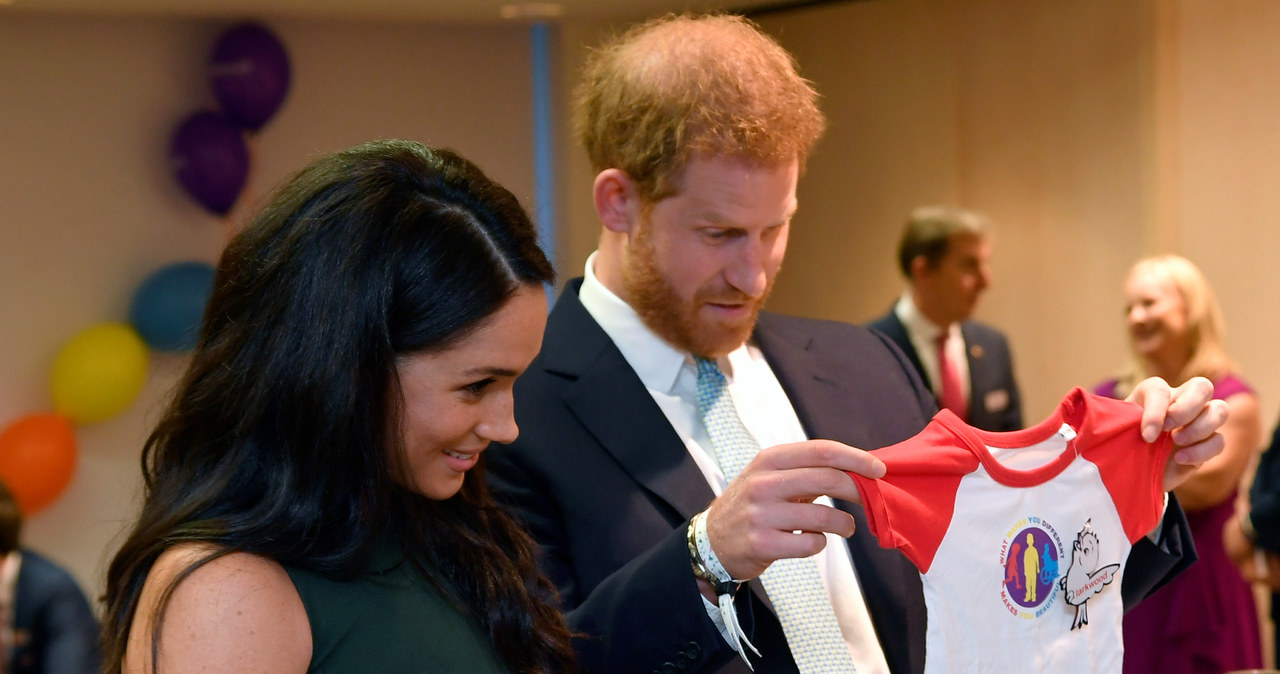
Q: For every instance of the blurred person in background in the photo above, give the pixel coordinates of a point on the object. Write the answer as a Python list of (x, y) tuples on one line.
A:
[(943, 255), (1204, 620), (46, 625), (1252, 535)]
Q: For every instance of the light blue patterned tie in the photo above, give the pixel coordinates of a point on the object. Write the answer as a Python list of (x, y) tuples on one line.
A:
[(793, 585)]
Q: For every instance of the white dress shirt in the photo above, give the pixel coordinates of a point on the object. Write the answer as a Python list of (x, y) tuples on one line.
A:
[(670, 377), (924, 337), (10, 566)]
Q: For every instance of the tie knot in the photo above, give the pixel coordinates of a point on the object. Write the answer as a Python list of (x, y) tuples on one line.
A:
[(707, 368), (711, 384), (942, 338)]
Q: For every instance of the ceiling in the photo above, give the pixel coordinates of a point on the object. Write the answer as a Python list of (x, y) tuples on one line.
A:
[(446, 11)]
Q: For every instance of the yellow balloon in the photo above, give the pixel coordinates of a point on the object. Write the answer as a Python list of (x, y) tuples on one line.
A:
[(99, 372)]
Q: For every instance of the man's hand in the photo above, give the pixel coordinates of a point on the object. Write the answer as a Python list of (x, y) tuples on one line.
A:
[(751, 524), (1192, 415)]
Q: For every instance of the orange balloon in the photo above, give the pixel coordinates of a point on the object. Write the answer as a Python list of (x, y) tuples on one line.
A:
[(37, 459)]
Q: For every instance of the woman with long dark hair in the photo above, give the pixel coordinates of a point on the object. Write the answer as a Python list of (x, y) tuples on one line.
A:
[(312, 496)]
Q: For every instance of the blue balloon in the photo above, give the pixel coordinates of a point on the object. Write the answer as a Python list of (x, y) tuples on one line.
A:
[(169, 305)]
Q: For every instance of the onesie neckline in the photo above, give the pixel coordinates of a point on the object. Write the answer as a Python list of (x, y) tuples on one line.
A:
[(1071, 411)]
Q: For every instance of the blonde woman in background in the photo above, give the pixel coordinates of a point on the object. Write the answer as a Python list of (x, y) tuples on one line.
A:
[(1205, 619)]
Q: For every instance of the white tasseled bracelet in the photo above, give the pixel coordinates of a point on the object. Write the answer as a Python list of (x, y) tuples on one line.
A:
[(708, 567)]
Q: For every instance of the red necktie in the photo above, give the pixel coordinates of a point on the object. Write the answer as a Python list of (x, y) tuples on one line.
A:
[(952, 390)]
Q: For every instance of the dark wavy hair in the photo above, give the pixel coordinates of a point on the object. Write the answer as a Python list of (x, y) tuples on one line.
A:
[(280, 438), (10, 521)]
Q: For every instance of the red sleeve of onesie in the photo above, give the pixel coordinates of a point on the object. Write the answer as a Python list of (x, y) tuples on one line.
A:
[(1132, 470), (910, 507)]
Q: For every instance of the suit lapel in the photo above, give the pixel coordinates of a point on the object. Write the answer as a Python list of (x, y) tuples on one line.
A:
[(819, 400), (609, 400), (975, 355), (896, 331), (631, 427)]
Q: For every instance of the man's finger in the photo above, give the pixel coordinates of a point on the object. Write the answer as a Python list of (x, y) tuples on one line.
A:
[(1203, 425), (819, 454), (809, 517), (1153, 394), (1188, 402), (1198, 453)]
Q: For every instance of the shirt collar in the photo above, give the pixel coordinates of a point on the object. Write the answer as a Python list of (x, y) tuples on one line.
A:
[(656, 362), (916, 323)]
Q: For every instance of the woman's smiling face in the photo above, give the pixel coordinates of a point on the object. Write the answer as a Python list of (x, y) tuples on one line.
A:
[(458, 400), (1157, 316)]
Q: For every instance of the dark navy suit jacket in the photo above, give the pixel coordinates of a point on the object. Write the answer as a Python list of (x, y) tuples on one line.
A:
[(607, 488), (994, 401), (55, 630), (1264, 499)]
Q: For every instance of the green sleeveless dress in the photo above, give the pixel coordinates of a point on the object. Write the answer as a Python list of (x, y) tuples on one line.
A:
[(391, 620)]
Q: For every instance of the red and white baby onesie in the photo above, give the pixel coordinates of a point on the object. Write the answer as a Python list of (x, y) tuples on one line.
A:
[(1021, 537)]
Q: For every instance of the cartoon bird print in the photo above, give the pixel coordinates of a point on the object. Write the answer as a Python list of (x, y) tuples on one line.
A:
[(1083, 578)]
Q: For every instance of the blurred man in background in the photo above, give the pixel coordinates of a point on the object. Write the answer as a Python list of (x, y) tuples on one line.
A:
[(46, 625), (943, 254)]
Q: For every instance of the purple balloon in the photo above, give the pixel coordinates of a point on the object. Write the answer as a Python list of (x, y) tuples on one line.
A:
[(250, 74), (210, 160)]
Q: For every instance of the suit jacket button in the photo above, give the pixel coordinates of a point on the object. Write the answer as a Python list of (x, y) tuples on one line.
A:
[(693, 651)]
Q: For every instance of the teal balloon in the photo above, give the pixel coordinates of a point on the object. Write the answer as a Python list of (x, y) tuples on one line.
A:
[(168, 306)]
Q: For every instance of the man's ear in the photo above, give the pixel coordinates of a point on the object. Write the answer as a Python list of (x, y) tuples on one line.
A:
[(919, 267), (617, 200)]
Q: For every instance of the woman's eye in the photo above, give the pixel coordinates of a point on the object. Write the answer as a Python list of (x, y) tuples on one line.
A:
[(478, 387)]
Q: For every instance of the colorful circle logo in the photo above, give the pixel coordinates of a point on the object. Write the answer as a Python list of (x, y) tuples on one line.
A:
[(1030, 567)]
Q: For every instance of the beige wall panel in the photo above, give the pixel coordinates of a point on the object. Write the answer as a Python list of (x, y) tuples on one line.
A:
[(887, 79), (1055, 134), (1228, 199)]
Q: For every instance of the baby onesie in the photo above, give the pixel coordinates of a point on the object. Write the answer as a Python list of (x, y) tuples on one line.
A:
[(1021, 537)]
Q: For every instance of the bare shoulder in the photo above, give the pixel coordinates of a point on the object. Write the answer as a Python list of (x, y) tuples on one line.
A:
[(237, 613), (1244, 423), (1243, 404)]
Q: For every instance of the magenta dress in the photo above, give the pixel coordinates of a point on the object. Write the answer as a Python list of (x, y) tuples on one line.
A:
[(1204, 621)]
